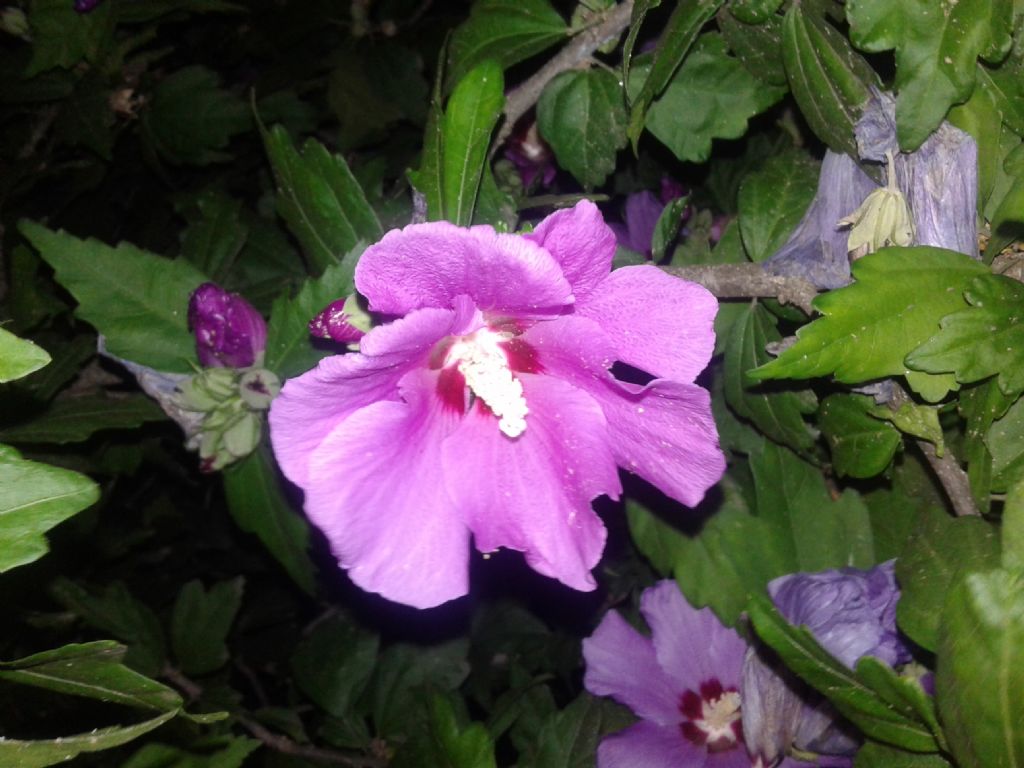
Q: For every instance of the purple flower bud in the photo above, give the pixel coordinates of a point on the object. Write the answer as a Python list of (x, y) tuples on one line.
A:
[(230, 333), (851, 613), (339, 321), (84, 6)]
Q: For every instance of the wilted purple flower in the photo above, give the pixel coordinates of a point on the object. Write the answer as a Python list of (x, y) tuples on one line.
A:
[(487, 408), (531, 156), (851, 613), (683, 682), (229, 332), (335, 322)]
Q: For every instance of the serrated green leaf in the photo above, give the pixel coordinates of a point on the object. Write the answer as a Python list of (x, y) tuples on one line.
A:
[(333, 664), (582, 115), (428, 179), (875, 755), (921, 421), (936, 45), (754, 11), (850, 695), (666, 229), (896, 303), (34, 498), (757, 46), (61, 37), (975, 118), (980, 405), (320, 199), (1013, 529), (42, 753), (507, 31), (19, 357), (216, 236), (1005, 441), (92, 670), (215, 752), (903, 694), (257, 502), (779, 414), (828, 79), (712, 96), (936, 556), (675, 41), (636, 20), (570, 738), (979, 676), (1004, 83), (74, 419), (469, 119), (289, 348), (985, 340), (143, 313), (190, 119), (200, 624), (773, 199), (861, 446)]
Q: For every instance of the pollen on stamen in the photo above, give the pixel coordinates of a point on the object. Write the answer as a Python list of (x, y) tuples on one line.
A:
[(485, 367)]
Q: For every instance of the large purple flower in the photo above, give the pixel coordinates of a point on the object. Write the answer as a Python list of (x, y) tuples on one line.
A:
[(683, 683), (487, 408)]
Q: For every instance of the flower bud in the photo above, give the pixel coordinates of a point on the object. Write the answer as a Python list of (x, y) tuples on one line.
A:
[(229, 332), (343, 321), (883, 219)]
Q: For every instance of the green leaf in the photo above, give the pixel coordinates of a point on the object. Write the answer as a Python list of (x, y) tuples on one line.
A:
[(19, 357), (215, 236), (190, 119), (985, 340), (773, 199), (117, 612), (1004, 83), (904, 694), (868, 328), (1013, 529), (636, 20), (257, 502), (980, 405), (429, 178), (74, 419), (675, 41), (861, 446), (289, 347), (508, 31), (33, 499), (333, 664), (61, 37), (875, 755), (779, 414), (979, 677), (754, 11), (828, 79), (848, 692), (93, 670), (936, 45), (757, 46), (469, 119), (936, 556), (200, 624), (712, 96), (320, 199), (215, 752), (666, 229), (975, 117), (142, 314), (39, 754), (921, 421), (470, 747), (1005, 441), (570, 738), (582, 115)]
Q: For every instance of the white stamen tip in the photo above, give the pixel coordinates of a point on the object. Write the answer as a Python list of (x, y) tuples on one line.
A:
[(484, 365)]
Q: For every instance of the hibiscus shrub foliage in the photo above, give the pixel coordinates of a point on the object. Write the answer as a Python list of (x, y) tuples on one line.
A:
[(540, 383)]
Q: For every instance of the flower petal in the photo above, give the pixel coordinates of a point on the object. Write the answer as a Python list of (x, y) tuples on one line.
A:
[(581, 243), (428, 265), (663, 432), (691, 645), (312, 405), (621, 663), (533, 493), (377, 492), (646, 745), (661, 324)]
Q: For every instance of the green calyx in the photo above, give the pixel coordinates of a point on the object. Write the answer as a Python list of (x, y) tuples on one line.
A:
[(883, 219), (232, 401)]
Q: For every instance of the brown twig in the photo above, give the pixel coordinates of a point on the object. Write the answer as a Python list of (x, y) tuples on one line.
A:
[(582, 47), (953, 479), (744, 281)]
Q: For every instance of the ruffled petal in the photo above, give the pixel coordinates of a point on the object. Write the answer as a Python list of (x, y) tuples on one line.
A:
[(581, 243), (533, 493), (621, 663), (428, 265), (691, 645), (377, 492), (646, 745), (658, 323), (663, 432), (312, 405)]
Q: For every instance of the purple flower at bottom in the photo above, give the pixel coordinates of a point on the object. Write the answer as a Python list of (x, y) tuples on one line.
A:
[(683, 682), (229, 332), (487, 409)]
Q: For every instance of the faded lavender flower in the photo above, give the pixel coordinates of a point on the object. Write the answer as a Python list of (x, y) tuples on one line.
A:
[(486, 408), (852, 614), (229, 332), (683, 683)]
